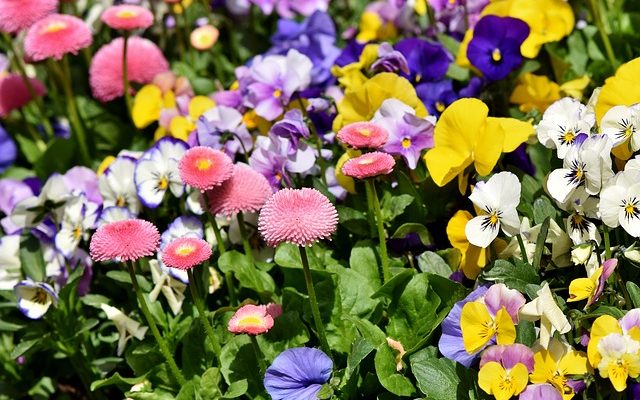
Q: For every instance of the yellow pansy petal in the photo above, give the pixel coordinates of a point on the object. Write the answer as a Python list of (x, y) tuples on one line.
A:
[(602, 326), (475, 323), (444, 164), (146, 106), (515, 133), (506, 330), (580, 289), (622, 151), (345, 181), (180, 127), (198, 105), (105, 164), (621, 89), (169, 99), (455, 230), (544, 367), (519, 379), (618, 376), (534, 92), (461, 57), (549, 21), (575, 87), (160, 133), (490, 373), (489, 147), (420, 7), (574, 363), (370, 23), (368, 56)]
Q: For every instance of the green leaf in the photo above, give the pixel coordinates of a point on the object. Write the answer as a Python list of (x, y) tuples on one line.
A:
[(516, 276), (210, 384), (288, 331), (238, 361), (354, 220), (23, 347), (355, 292), (434, 264), (394, 206), (412, 227), (396, 283), (246, 273), (439, 378), (94, 300), (525, 333), (123, 276), (118, 380), (360, 349), (363, 261), (236, 389), (31, 258), (188, 391), (542, 238), (370, 332), (542, 209), (6, 326), (28, 148), (634, 293), (58, 157), (385, 363)]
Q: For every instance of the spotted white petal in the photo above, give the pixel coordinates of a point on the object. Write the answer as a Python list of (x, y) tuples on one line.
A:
[(562, 182), (620, 123), (482, 230)]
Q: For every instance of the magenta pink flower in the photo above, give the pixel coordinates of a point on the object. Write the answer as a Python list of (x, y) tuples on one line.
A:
[(251, 319), (186, 252), (298, 216), (369, 165), (205, 168), (125, 240), (144, 61), (246, 191), (16, 15), (127, 17), (14, 93), (362, 135), (56, 35)]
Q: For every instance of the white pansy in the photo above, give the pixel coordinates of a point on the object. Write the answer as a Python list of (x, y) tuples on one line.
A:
[(171, 288), (620, 202), (561, 124), (10, 272), (114, 214), (496, 200), (586, 165), (78, 217), (581, 230), (35, 298), (117, 185), (31, 210), (545, 309), (157, 171), (622, 124), (127, 327)]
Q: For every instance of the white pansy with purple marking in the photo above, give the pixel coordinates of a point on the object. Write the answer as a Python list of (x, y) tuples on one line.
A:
[(35, 298)]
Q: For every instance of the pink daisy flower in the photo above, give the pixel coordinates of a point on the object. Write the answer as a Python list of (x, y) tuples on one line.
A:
[(144, 62), (125, 240), (368, 165), (127, 17), (204, 168), (362, 135), (298, 216), (16, 15), (14, 93), (56, 35), (246, 191), (251, 319), (186, 252)]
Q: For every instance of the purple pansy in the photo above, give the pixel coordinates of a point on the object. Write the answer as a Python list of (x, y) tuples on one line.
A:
[(495, 47), (427, 61), (298, 373), (223, 128), (436, 96), (83, 180), (292, 127), (274, 156), (8, 150), (390, 60)]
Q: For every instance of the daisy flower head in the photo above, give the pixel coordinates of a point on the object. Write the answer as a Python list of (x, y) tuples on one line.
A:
[(252, 320), (246, 191), (186, 252), (205, 168), (360, 135), (56, 35), (369, 165), (127, 17), (126, 240), (16, 15), (298, 216)]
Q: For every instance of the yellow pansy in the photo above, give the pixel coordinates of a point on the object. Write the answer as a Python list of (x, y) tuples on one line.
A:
[(180, 6), (479, 327), (620, 359), (345, 181), (603, 326), (420, 7), (584, 288), (254, 121), (503, 384), (474, 258), (549, 20), (148, 104), (461, 57), (622, 89), (351, 75), (361, 103), (373, 27), (181, 125), (466, 135), (535, 92), (575, 88), (553, 365)]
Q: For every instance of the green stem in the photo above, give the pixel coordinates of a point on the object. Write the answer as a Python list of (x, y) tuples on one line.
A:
[(245, 238), (370, 211), (386, 274), (125, 75), (623, 289), (164, 348), (607, 243), (202, 315), (523, 249), (313, 301), (597, 17), (40, 144), (74, 116), (259, 356), (228, 277)]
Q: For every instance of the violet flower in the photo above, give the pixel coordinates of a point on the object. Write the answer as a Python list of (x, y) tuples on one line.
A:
[(222, 128), (8, 150), (292, 127), (495, 47), (427, 61), (298, 373), (436, 96)]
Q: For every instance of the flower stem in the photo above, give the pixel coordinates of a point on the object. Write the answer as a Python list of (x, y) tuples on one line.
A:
[(386, 274), (607, 242), (523, 249), (313, 301), (245, 238), (164, 348), (259, 356), (370, 212), (228, 277), (597, 18), (202, 315), (125, 76), (74, 116)]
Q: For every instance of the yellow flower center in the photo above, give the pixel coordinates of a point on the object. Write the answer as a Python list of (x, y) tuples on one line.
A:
[(185, 250), (55, 26), (418, 78), (366, 161), (440, 106), (251, 320), (277, 93), (77, 232), (568, 137), (364, 132), (203, 164), (406, 143), (163, 183), (496, 55), (127, 14), (631, 209), (120, 201), (40, 296)]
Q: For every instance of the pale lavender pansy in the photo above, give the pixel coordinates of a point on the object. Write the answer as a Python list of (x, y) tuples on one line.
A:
[(117, 185), (223, 128), (78, 218)]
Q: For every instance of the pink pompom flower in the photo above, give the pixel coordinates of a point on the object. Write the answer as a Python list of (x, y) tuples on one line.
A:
[(253, 320), (14, 93), (361, 135), (127, 17), (144, 61), (126, 240), (16, 15), (246, 191), (298, 216), (204, 168), (56, 35), (369, 165), (186, 252)]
